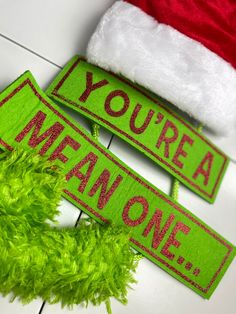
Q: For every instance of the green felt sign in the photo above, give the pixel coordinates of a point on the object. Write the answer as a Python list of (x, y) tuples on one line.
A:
[(144, 121), (108, 190)]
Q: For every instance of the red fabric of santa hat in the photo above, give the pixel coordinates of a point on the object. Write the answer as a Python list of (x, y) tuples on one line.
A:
[(183, 50)]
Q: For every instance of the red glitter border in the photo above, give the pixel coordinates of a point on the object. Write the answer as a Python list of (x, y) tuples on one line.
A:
[(168, 201), (196, 186)]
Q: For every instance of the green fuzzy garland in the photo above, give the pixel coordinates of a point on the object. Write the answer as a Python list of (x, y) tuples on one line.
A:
[(30, 187), (72, 265)]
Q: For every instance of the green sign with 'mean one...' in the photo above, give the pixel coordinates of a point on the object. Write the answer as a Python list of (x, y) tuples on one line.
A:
[(108, 190), (143, 121)]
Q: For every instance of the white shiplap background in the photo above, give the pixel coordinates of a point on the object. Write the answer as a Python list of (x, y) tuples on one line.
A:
[(41, 36)]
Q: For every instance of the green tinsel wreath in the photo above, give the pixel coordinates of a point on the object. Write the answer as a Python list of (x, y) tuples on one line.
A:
[(72, 265)]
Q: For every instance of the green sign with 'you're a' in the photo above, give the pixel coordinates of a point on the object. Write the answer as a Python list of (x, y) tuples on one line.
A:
[(144, 121)]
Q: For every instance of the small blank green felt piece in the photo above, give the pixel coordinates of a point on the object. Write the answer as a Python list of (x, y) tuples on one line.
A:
[(144, 121), (108, 190)]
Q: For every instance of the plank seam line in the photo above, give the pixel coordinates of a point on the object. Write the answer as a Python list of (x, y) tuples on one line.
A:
[(29, 50)]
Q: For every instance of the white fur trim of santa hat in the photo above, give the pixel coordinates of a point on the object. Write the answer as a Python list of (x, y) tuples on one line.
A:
[(130, 42)]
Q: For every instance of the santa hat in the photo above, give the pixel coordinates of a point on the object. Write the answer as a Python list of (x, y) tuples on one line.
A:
[(183, 50)]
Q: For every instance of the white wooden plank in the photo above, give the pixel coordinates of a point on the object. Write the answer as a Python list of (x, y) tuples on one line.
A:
[(57, 29), (17, 307), (221, 215), (226, 143), (157, 292), (14, 61)]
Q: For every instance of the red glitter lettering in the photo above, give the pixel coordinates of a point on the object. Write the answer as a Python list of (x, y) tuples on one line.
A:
[(125, 215), (90, 86), (67, 141), (196, 272), (110, 97), (159, 118), (188, 266), (180, 151), (158, 232), (36, 124), (102, 182), (141, 129), (167, 140), (180, 260), (173, 241), (208, 161), (91, 160)]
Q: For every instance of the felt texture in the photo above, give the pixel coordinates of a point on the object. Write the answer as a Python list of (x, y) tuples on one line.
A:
[(109, 191), (145, 123), (85, 265), (157, 56), (212, 23)]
